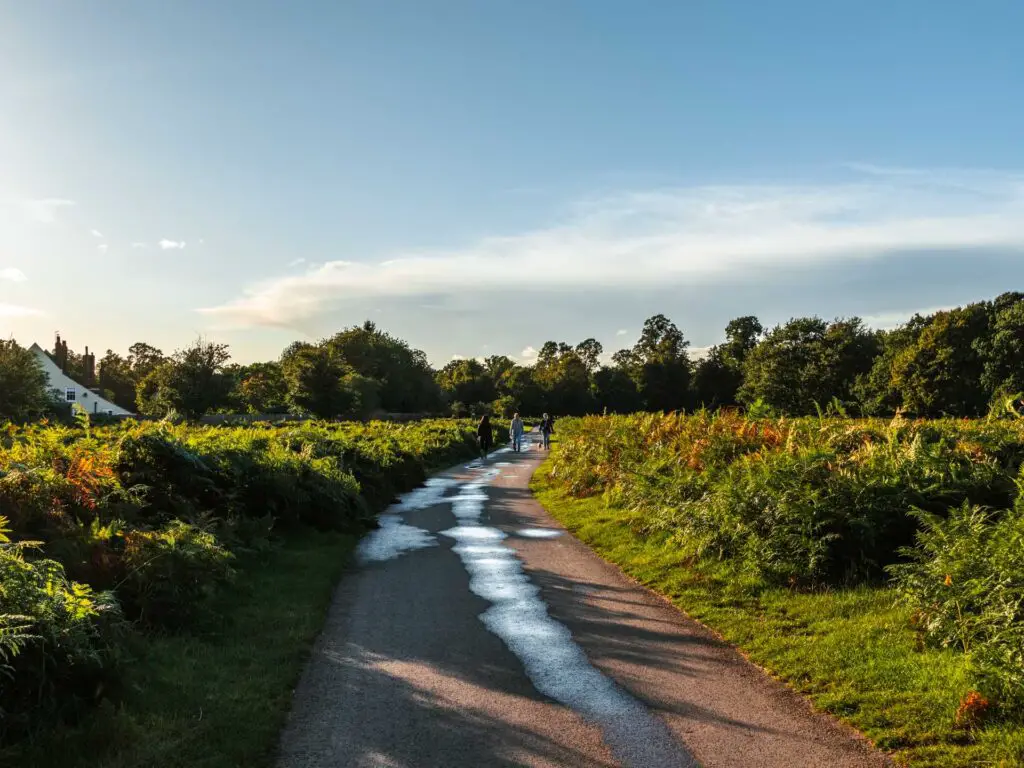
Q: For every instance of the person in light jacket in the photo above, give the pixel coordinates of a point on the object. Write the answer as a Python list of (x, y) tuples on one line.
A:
[(515, 433)]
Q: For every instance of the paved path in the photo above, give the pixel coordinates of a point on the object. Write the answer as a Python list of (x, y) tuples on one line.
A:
[(476, 632)]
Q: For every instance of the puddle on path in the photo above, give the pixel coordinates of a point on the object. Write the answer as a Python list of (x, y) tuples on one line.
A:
[(539, 533), (392, 539), (556, 666)]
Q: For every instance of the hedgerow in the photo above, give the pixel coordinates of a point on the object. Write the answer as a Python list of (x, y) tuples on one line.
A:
[(107, 530), (933, 507)]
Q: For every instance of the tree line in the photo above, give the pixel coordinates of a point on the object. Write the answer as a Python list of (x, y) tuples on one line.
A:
[(957, 363)]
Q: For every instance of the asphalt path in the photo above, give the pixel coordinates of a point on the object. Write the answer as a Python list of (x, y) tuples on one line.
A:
[(476, 632)]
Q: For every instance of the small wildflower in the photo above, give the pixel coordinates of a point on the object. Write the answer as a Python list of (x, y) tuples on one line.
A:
[(949, 580)]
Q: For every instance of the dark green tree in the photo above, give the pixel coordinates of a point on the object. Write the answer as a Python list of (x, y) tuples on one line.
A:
[(260, 388), (660, 365), (942, 373), (405, 380), (807, 363), (315, 381), (615, 391), (1002, 349), (719, 376), (468, 382), (24, 389), (876, 391), (193, 382)]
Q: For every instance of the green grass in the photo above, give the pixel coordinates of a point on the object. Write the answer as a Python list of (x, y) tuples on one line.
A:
[(851, 652), (218, 696)]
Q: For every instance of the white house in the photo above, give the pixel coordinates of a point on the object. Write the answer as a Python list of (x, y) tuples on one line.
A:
[(70, 391)]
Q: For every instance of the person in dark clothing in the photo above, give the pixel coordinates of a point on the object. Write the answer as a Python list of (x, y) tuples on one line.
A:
[(547, 427), (485, 435)]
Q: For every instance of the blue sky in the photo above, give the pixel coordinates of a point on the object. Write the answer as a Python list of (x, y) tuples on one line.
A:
[(480, 177)]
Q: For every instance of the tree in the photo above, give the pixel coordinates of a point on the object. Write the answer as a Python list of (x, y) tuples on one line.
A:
[(876, 391), (261, 388), (660, 365), (563, 378), (143, 359), (942, 373), (314, 381), (117, 381), (589, 351), (615, 391), (499, 368), (193, 382), (718, 377), (24, 388), (1002, 349), (467, 381), (806, 363), (405, 379)]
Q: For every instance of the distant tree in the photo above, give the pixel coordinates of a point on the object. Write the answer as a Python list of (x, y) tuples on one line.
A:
[(117, 380), (660, 365), (524, 393), (261, 388), (499, 368), (806, 363), (314, 378), (405, 380), (24, 389), (590, 351), (143, 359), (1002, 349), (563, 378), (719, 376), (467, 381), (876, 391), (193, 382), (942, 373), (615, 391)]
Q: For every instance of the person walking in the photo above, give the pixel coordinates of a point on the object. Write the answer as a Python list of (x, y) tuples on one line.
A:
[(547, 427), (485, 435), (515, 433)]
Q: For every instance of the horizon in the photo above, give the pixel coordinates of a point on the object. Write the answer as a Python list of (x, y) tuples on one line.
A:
[(479, 180)]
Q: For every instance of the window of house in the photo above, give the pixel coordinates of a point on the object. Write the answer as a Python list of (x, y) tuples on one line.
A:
[(69, 395)]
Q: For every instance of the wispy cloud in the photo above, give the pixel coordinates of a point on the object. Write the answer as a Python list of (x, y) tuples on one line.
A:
[(296, 262), (44, 210), (13, 274), (95, 233), (529, 354), (885, 321), (662, 238), (170, 245), (698, 353), (139, 245), (102, 247), (621, 332), (13, 310)]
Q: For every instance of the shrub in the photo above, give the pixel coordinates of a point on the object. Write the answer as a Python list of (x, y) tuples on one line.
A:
[(965, 580), (58, 640), (169, 572)]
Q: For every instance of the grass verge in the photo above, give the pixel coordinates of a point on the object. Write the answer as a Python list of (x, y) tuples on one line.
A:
[(217, 696), (851, 652)]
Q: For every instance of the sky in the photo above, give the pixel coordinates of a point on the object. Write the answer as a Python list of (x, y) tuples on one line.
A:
[(479, 177)]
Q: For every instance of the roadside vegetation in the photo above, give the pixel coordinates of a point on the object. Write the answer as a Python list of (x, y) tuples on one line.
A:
[(875, 565), (160, 583)]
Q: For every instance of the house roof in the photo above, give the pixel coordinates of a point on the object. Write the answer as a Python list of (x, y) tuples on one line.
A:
[(46, 358)]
